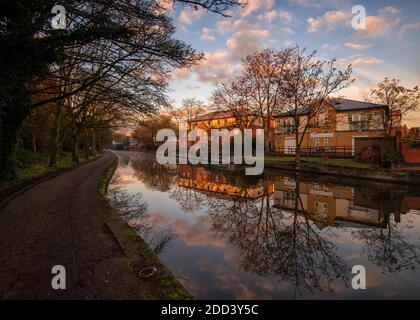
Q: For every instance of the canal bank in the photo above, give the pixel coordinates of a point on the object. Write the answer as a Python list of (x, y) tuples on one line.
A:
[(411, 177), (65, 221), (160, 282), (333, 167)]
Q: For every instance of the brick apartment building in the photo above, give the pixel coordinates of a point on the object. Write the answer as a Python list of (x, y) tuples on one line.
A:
[(227, 120), (337, 124)]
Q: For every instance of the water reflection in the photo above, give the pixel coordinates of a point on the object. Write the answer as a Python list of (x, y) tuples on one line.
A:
[(277, 235), (134, 211)]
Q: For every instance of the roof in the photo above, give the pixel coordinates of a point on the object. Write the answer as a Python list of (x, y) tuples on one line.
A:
[(340, 105), (215, 115), (348, 105)]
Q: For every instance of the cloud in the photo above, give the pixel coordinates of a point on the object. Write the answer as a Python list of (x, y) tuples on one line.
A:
[(182, 73), (282, 15), (357, 61), (329, 21), (223, 26), (408, 27), (380, 25), (389, 11), (207, 35), (216, 67), (376, 26), (189, 15), (221, 65), (357, 46), (365, 61), (254, 5), (286, 30), (330, 47), (305, 3), (246, 39)]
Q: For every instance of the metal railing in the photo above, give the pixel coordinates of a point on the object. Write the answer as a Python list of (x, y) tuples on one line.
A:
[(331, 152)]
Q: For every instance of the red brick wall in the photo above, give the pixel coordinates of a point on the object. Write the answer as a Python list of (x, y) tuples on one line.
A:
[(410, 155)]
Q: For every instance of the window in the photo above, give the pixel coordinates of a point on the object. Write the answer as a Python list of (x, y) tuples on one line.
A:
[(321, 207), (350, 118), (325, 142), (362, 117), (317, 142)]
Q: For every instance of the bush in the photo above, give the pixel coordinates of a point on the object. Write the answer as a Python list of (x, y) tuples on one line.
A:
[(392, 155)]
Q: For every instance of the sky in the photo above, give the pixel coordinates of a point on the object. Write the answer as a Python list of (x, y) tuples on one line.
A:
[(388, 46)]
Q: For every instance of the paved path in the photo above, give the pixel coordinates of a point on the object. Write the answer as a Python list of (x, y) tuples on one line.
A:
[(57, 223)]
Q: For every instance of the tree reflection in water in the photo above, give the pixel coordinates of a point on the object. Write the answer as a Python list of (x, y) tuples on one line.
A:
[(388, 247), (134, 211), (154, 175), (284, 240), (273, 242)]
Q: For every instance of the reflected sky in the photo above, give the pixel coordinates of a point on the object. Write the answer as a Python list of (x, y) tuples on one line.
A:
[(277, 236)]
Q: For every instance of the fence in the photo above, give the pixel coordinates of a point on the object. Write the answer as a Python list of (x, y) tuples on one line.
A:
[(331, 152)]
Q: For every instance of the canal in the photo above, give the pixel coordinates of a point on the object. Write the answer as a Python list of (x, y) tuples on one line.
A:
[(225, 235)]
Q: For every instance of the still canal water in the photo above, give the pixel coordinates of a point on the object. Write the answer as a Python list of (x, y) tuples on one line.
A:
[(230, 236)]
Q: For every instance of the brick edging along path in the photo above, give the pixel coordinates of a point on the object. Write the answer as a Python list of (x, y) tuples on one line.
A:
[(60, 221)]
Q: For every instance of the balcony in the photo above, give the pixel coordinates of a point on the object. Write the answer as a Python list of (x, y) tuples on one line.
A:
[(359, 125), (284, 129)]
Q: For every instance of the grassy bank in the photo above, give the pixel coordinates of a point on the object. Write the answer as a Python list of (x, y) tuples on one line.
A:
[(162, 284), (342, 163), (30, 165), (345, 168)]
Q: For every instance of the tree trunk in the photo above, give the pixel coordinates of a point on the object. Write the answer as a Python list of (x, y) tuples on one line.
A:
[(34, 148), (11, 120), (55, 137), (267, 150), (297, 158), (75, 151), (93, 143), (297, 152), (100, 146), (87, 147)]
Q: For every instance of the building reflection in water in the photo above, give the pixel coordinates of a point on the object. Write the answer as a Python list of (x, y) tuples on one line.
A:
[(286, 227)]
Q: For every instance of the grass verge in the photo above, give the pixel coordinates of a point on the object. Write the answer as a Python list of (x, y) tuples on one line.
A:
[(342, 163), (30, 165)]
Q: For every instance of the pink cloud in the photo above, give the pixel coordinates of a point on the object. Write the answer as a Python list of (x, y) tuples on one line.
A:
[(254, 5), (189, 15), (329, 21), (380, 25), (282, 15), (207, 35), (357, 46), (408, 27)]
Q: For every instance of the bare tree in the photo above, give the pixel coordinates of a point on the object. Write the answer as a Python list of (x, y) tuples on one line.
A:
[(258, 90), (308, 84), (230, 97), (399, 100), (190, 110)]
